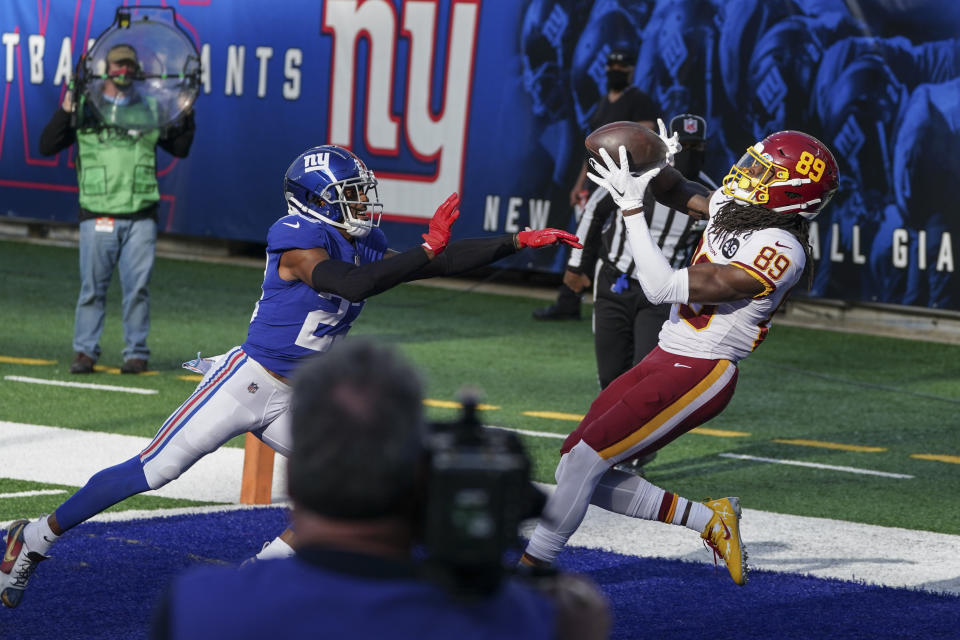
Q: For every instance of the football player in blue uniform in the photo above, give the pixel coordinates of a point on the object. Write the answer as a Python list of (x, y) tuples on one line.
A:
[(324, 259)]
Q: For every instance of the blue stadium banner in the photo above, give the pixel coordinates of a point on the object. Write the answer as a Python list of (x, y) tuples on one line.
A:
[(492, 99)]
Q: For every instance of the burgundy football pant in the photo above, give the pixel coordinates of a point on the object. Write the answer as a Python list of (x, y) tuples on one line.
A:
[(658, 400)]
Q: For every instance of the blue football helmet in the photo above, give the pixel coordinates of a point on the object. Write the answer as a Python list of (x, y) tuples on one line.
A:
[(333, 185)]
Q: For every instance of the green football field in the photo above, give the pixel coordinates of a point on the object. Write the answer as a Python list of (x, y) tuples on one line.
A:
[(827, 424)]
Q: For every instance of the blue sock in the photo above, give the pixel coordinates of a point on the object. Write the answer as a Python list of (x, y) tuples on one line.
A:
[(105, 489)]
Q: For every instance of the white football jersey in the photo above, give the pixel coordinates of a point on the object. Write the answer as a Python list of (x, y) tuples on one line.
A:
[(732, 330)]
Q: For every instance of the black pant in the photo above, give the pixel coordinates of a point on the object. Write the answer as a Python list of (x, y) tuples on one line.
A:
[(625, 325), (567, 300)]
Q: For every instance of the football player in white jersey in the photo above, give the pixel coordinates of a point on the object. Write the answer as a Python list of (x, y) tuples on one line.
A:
[(754, 249), (324, 258)]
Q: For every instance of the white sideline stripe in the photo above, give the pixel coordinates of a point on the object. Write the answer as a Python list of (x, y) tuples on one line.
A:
[(776, 542), (53, 455), (82, 385), (817, 465), (28, 494)]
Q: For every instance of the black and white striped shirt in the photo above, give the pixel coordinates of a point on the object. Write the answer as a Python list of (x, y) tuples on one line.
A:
[(604, 237)]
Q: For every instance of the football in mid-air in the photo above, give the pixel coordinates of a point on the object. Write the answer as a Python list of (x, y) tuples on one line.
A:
[(644, 146)]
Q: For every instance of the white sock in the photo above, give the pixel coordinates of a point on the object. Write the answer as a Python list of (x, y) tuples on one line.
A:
[(700, 515), (39, 536), (276, 548), (634, 496)]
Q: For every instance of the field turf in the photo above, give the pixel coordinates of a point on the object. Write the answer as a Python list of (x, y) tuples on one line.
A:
[(810, 396), (836, 425)]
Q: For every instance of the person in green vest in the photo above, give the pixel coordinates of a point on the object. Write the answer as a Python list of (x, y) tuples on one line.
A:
[(117, 133)]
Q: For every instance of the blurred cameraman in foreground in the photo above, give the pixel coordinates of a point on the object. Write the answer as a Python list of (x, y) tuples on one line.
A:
[(355, 479)]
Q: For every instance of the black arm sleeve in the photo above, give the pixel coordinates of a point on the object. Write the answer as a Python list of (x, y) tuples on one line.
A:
[(674, 190), (358, 283), (58, 134), (177, 139), (464, 255)]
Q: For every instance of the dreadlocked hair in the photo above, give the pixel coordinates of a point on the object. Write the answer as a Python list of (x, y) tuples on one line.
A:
[(735, 217)]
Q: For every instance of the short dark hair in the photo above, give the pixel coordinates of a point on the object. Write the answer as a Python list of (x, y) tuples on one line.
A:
[(358, 432)]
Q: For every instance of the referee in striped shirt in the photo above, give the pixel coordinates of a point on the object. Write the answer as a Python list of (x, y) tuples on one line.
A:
[(625, 324)]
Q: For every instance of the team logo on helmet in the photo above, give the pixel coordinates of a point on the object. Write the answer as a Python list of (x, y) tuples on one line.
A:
[(333, 185), (316, 162)]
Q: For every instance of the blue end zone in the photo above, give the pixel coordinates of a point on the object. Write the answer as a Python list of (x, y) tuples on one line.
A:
[(104, 579), (655, 598)]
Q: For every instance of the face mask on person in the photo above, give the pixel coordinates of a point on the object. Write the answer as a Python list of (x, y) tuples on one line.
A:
[(689, 161), (617, 79)]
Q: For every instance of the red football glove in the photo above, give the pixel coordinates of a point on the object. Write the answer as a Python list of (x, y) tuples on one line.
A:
[(546, 237), (438, 235)]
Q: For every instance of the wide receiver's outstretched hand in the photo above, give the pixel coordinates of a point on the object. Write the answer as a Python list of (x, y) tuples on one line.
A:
[(437, 236), (673, 142), (626, 188), (546, 237)]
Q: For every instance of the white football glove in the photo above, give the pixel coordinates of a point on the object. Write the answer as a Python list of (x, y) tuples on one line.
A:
[(673, 142), (626, 188)]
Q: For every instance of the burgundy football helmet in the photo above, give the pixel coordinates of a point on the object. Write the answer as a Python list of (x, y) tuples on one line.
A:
[(787, 172)]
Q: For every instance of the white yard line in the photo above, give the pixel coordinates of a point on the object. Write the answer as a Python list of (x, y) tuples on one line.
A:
[(817, 465), (30, 494), (798, 463), (776, 542), (527, 432), (82, 385)]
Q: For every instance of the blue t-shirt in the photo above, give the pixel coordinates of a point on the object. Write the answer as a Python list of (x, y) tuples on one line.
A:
[(292, 321), (336, 595)]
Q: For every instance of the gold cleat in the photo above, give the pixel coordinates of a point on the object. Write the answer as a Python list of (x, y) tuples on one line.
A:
[(722, 534)]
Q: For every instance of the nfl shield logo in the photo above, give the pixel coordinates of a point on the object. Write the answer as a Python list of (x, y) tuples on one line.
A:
[(690, 125), (253, 387)]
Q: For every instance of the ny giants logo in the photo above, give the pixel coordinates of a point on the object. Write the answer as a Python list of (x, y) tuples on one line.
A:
[(316, 162), (435, 139)]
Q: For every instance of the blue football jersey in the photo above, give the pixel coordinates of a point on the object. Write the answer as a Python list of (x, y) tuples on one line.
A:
[(291, 320)]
